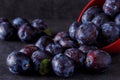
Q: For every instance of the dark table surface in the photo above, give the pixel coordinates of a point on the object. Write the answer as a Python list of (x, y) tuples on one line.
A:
[(6, 47)]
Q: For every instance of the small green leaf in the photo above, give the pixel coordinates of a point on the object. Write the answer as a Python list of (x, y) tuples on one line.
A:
[(44, 67), (48, 31)]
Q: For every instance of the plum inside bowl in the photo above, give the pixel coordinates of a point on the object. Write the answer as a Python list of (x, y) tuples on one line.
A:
[(111, 48)]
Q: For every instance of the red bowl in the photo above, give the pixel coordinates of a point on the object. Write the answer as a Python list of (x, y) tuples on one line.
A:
[(113, 47)]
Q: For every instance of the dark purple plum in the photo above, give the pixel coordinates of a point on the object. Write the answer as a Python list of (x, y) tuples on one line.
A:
[(68, 43), (37, 58), (43, 42), (110, 32), (73, 28), (18, 22), (54, 48), (29, 49), (18, 63), (100, 19), (7, 31), (117, 22), (62, 65), (61, 35), (111, 7), (117, 19), (76, 55), (98, 61), (85, 49), (28, 34), (87, 33), (39, 24), (90, 13)]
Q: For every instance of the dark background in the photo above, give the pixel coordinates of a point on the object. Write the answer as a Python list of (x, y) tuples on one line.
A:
[(59, 14), (45, 9)]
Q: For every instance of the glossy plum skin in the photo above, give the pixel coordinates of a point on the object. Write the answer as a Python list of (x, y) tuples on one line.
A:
[(43, 41), (62, 65), (111, 7), (7, 31), (67, 43), (54, 48), (73, 28), (90, 13), (61, 35), (110, 32), (100, 19), (117, 19), (76, 55), (18, 22), (37, 57), (39, 24), (29, 49), (98, 61), (28, 34), (18, 63), (85, 49), (87, 33)]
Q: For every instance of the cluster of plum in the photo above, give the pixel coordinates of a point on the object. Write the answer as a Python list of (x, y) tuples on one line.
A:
[(21, 29), (62, 56), (74, 49), (102, 25)]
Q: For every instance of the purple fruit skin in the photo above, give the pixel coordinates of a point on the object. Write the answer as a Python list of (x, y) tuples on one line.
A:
[(111, 7), (73, 28), (67, 43), (98, 61), (100, 19), (39, 24), (76, 55), (18, 63), (110, 32), (61, 35), (54, 48), (90, 13), (62, 65), (87, 33), (43, 42), (37, 57)]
